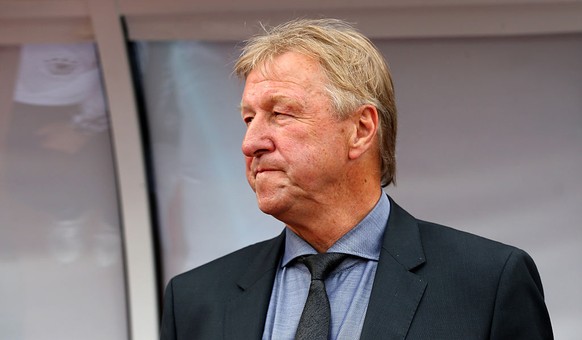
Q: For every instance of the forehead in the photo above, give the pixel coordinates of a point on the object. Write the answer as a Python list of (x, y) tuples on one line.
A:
[(288, 64), (287, 73)]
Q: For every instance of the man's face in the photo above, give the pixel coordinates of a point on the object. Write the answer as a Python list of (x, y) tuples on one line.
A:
[(295, 149)]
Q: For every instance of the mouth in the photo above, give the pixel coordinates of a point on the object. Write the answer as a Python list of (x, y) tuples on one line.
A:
[(264, 170), (260, 171)]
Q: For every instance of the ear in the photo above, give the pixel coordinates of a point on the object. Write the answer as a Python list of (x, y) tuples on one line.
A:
[(366, 127)]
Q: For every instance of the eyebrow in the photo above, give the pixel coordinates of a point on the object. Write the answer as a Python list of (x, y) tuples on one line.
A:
[(275, 99), (285, 100)]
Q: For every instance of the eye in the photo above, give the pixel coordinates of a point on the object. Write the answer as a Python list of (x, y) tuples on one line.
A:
[(247, 120), (280, 114)]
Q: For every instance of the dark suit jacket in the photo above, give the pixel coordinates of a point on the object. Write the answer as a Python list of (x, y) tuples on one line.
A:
[(432, 282)]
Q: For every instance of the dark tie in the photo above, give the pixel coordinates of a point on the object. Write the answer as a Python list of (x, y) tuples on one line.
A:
[(314, 322)]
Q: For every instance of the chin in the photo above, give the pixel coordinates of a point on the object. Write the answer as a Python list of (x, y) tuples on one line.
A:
[(272, 206), (268, 208)]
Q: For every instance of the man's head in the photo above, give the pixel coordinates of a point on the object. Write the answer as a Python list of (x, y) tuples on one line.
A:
[(355, 71)]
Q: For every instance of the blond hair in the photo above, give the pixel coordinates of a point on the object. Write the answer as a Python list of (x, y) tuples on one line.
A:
[(357, 73)]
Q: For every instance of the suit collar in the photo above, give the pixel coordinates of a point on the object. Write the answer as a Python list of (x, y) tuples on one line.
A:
[(402, 238), (396, 291), (246, 313)]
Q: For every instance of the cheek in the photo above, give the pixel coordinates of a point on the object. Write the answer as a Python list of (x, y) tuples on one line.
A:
[(327, 155), (306, 162), (311, 151)]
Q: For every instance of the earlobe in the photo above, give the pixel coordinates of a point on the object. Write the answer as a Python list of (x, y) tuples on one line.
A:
[(366, 127)]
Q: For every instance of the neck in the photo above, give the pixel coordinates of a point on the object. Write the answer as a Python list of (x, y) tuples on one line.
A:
[(326, 224)]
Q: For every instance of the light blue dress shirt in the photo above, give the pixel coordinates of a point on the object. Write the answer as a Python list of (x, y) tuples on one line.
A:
[(348, 286)]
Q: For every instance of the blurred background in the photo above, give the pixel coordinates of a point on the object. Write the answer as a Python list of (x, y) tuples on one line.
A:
[(120, 161)]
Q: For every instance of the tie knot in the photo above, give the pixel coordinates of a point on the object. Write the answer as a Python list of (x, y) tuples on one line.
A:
[(320, 265)]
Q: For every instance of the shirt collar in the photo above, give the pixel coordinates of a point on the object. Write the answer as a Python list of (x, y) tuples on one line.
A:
[(364, 240)]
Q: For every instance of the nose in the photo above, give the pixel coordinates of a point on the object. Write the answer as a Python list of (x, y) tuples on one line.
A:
[(258, 139)]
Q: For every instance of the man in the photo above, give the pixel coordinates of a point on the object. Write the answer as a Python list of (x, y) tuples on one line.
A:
[(321, 129)]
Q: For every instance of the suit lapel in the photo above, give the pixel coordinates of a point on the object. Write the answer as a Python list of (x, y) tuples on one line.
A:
[(396, 291), (246, 314)]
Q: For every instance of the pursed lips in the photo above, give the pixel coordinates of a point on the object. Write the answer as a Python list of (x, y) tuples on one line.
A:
[(261, 170), (265, 170)]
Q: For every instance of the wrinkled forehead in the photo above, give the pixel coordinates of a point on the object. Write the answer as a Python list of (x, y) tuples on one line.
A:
[(290, 79), (289, 68), (270, 65)]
